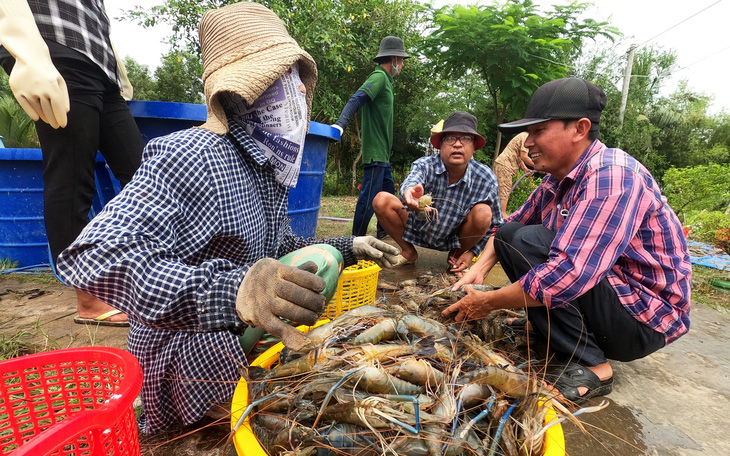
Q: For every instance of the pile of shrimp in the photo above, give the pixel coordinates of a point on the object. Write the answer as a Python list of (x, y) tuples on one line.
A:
[(375, 381)]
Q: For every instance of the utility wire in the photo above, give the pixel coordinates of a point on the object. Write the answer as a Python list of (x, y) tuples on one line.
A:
[(680, 22), (650, 39), (704, 58)]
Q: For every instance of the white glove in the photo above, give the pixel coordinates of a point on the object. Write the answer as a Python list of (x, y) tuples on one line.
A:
[(338, 128), (35, 81), (127, 90), (370, 248)]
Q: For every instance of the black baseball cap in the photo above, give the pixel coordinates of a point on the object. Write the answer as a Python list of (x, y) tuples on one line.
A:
[(566, 98)]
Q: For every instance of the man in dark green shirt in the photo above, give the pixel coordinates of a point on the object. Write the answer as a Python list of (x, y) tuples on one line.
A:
[(375, 97)]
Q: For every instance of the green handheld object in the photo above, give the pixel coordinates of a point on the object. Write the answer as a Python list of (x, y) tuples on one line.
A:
[(329, 263)]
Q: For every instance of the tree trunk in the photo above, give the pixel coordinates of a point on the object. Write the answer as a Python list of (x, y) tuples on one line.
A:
[(499, 117), (497, 146)]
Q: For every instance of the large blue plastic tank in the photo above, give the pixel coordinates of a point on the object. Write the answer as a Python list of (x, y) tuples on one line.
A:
[(22, 230)]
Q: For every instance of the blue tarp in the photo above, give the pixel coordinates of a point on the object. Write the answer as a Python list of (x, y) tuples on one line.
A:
[(706, 255)]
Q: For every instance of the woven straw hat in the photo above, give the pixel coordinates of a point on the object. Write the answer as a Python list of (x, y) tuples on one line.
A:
[(245, 49)]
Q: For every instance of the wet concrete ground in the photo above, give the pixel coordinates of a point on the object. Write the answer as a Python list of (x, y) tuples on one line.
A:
[(674, 402)]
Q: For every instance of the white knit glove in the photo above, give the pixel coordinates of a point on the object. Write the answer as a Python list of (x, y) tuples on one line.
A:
[(370, 248), (35, 81)]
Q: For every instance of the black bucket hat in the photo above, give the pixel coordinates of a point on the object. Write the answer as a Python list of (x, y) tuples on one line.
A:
[(391, 46), (459, 122), (566, 98)]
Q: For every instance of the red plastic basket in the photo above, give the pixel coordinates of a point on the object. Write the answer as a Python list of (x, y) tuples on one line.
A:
[(70, 402)]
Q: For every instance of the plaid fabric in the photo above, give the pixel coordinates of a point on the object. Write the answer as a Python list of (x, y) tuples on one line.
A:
[(611, 220), (79, 24), (453, 202), (171, 251)]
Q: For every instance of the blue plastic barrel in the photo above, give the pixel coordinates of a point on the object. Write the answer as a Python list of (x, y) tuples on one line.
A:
[(22, 232), (160, 118), (304, 199), (22, 229)]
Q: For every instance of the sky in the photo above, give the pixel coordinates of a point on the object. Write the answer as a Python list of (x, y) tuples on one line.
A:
[(695, 30)]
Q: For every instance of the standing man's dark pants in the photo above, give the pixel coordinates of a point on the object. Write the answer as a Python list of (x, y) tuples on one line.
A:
[(99, 120), (592, 328), (376, 178)]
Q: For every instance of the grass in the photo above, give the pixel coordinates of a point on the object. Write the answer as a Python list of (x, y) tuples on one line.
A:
[(7, 263), (15, 345), (340, 207), (704, 293)]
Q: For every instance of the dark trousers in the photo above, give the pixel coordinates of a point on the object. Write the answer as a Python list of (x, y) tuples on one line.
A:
[(376, 178), (593, 328), (99, 120)]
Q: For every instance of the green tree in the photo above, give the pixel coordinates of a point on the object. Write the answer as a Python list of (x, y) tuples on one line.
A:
[(698, 188), (513, 46), (179, 78), (143, 84)]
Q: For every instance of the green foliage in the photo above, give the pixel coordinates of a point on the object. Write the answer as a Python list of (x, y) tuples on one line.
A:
[(342, 37), (16, 128), (14, 345), (485, 59), (145, 87), (705, 225), (698, 188), (179, 78), (523, 190), (7, 263)]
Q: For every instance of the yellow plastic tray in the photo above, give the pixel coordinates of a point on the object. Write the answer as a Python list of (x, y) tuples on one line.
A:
[(247, 445)]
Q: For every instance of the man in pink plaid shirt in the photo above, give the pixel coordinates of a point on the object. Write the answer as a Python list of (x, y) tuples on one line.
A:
[(595, 255)]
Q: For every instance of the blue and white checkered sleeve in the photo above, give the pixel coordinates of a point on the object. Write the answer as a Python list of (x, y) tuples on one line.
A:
[(131, 255), (417, 175)]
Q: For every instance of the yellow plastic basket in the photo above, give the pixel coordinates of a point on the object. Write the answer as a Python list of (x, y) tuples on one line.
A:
[(357, 287), (247, 444)]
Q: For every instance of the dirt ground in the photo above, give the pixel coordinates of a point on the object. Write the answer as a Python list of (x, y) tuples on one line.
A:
[(672, 403)]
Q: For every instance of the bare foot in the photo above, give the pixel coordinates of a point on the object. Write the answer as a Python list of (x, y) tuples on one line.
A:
[(91, 307), (511, 320)]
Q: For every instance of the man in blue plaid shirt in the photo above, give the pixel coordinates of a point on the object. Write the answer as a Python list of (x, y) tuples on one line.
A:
[(188, 249), (465, 200)]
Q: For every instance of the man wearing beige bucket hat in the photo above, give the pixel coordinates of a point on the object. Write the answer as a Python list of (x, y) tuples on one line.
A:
[(375, 97), (464, 199), (188, 249)]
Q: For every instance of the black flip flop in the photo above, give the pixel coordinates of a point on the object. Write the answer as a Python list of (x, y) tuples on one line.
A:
[(567, 378)]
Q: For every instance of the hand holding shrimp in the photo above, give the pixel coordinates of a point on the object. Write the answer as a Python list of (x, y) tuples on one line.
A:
[(411, 196), (474, 306), (478, 304)]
